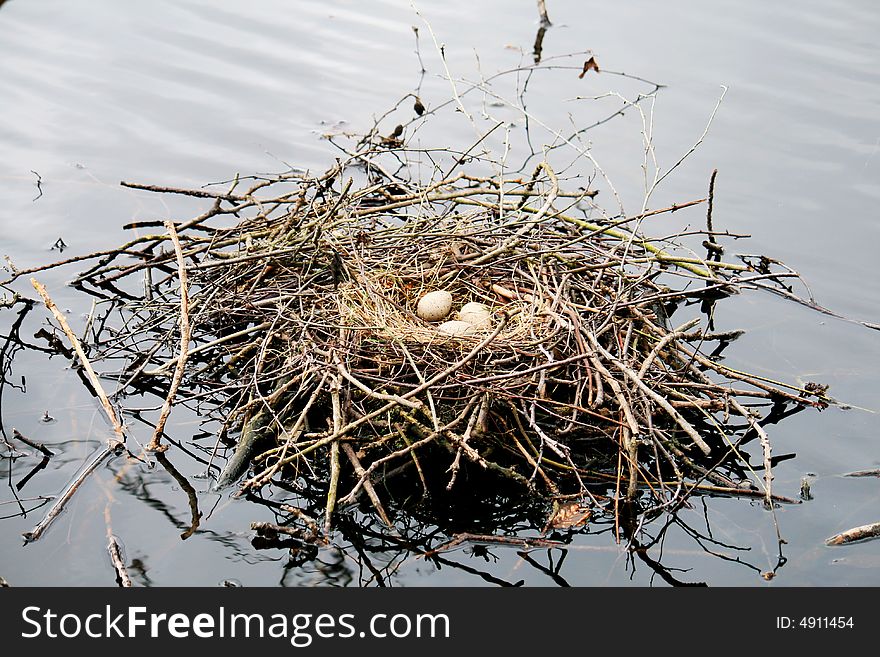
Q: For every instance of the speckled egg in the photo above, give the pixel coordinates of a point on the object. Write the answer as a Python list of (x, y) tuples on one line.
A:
[(456, 327), (434, 306), (476, 313)]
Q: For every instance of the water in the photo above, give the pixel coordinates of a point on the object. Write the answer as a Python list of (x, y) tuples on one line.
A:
[(185, 93)]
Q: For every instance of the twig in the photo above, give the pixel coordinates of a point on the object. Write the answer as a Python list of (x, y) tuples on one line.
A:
[(39, 185), (27, 441), (699, 141), (710, 231), (664, 342), (368, 486), (115, 551), (210, 345), (58, 506), (334, 455), (90, 372), (542, 10), (155, 443), (449, 371), (198, 193), (864, 473)]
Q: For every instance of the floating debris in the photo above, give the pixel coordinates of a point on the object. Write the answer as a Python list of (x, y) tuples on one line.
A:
[(862, 533)]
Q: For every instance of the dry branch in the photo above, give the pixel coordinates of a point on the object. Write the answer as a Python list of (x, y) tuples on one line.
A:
[(180, 369), (87, 366), (860, 533)]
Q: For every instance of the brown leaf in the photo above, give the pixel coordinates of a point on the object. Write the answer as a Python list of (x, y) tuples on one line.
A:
[(569, 514), (588, 65)]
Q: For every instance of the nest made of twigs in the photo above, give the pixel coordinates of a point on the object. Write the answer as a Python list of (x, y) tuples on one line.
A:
[(308, 353)]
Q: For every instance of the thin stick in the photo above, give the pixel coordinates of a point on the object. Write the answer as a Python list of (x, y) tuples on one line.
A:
[(87, 366), (27, 441), (710, 230), (198, 193), (64, 498), (766, 450), (334, 455), (115, 551), (368, 486), (293, 436), (113, 446), (369, 391), (184, 342), (669, 337), (409, 449), (209, 345), (542, 10)]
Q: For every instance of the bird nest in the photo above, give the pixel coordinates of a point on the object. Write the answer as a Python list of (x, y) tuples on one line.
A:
[(287, 316)]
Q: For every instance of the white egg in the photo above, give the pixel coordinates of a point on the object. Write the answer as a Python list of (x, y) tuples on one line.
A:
[(476, 313), (456, 327), (434, 306)]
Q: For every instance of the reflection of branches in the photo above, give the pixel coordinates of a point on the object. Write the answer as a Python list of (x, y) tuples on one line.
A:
[(140, 571), (39, 466), (188, 489), (488, 539), (140, 489), (486, 577), (705, 541), (552, 571), (665, 573), (43, 499), (538, 48), (11, 344)]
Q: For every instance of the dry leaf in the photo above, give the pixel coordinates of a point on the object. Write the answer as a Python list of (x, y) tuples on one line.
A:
[(569, 514), (588, 65)]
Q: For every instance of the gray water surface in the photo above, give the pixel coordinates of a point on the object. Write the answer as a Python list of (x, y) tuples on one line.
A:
[(186, 93)]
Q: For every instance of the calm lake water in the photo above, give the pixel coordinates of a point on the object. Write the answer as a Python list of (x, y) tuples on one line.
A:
[(185, 93)]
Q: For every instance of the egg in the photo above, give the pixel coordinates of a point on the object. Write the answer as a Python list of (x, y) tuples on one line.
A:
[(476, 313), (456, 327), (434, 306)]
